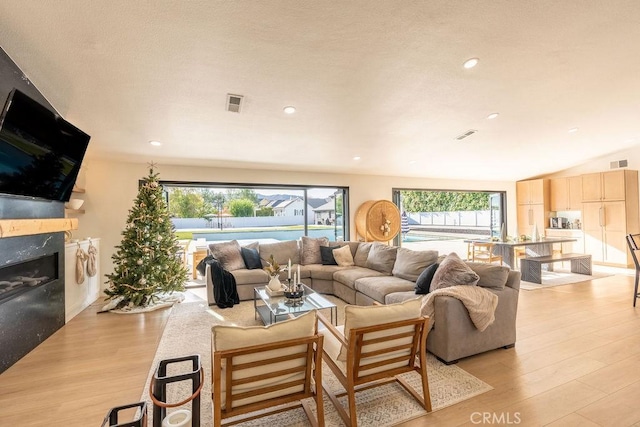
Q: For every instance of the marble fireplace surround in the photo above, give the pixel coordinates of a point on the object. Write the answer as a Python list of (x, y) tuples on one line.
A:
[(30, 316)]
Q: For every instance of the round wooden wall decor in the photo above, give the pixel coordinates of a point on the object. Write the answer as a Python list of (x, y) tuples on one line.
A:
[(377, 220)]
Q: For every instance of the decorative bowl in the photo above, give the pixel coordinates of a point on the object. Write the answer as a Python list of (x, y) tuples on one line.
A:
[(293, 294), (74, 204)]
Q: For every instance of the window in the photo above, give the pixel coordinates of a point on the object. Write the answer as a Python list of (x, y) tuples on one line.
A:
[(214, 211), (442, 220)]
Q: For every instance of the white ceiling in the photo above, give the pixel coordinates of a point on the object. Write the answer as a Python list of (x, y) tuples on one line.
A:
[(380, 79)]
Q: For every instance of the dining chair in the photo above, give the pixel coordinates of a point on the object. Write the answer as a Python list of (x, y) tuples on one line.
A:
[(374, 346), (483, 252), (268, 369), (633, 240)]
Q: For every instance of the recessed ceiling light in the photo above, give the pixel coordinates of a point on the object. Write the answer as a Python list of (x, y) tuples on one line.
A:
[(470, 63), (412, 162), (493, 116), (289, 109), (573, 130), (356, 158), (155, 143)]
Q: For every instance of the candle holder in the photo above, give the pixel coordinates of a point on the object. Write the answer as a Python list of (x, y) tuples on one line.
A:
[(294, 295)]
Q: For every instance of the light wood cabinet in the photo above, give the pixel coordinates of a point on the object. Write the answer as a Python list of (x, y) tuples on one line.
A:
[(565, 194), (606, 186), (606, 222), (532, 197)]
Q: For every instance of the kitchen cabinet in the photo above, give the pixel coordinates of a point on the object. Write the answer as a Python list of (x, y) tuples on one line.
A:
[(568, 247), (532, 197), (607, 222), (565, 194), (607, 186)]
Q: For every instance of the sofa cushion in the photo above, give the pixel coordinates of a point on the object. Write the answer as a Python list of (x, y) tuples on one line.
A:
[(396, 297), (453, 271), (250, 277), (359, 317), (343, 256), (323, 272), (282, 252), (251, 258), (377, 287), (349, 275), (352, 245), (423, 284), (409, 264), (310, 249), (228, 254), (326, 253), (491, 275), (381, 258), (360, 258)]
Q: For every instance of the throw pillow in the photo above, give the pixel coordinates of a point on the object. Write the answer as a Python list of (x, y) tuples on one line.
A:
[(228, 254), (491, 276), (282, 252), (311, 249), (327, 257), (251, 258), (360, 258), (423, 283), (409, 264), (362, 316), (343, 256), (381, 258), (451, 272)]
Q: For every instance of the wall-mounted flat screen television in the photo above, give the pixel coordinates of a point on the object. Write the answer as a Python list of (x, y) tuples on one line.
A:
[(40, 152)]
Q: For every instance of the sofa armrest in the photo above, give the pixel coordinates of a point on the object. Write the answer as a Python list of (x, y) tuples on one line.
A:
[(209, 281)]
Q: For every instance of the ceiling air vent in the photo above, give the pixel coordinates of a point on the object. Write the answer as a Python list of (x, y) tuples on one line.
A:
[(619, 164), (466, 134), (233, 103)]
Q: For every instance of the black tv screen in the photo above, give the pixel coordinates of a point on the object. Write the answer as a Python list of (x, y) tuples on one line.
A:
[(40, 152)]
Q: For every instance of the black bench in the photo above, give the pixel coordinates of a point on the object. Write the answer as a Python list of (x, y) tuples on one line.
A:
[(531, 268)]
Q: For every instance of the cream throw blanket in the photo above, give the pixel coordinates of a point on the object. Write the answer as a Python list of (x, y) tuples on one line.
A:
[(479, 302)]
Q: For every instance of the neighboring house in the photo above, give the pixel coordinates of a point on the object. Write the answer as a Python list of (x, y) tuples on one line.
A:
[(326, 213), (291, 207)]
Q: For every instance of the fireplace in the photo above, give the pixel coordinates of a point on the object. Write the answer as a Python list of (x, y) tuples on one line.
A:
[(23, 276), (31, 281)]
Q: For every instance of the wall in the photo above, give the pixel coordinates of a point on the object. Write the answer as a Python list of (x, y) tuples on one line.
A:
[(602, 164), (112, 186)]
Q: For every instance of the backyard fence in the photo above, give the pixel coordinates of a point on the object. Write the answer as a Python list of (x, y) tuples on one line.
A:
[(454, 219)]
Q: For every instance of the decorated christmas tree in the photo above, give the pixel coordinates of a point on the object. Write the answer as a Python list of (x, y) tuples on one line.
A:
[(146, 262)]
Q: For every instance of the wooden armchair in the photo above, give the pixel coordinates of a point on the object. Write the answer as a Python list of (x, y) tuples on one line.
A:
[(376, 344), (256, 368)]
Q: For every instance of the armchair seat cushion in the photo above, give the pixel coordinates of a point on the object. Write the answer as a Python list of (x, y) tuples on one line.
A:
[(234, 337)]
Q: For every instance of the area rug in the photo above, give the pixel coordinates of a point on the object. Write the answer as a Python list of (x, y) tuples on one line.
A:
[(560, 277), (188, 332)]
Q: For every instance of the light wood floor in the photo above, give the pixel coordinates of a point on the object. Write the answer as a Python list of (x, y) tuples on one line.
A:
[(576, 362)]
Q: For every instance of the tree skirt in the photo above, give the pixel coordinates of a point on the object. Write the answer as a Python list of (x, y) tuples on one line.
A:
[(162, 301)]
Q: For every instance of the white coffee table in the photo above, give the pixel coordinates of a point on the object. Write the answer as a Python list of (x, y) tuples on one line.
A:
[(273, 309)]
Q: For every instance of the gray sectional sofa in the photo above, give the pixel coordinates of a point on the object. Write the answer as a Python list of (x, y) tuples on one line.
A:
[(385, 274)]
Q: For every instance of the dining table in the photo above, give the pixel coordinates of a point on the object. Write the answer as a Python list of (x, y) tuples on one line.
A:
[(533, 248)]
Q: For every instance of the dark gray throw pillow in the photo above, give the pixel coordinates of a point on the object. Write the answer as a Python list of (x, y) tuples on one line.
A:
[(251, 258), (424, 279), (326, 253)]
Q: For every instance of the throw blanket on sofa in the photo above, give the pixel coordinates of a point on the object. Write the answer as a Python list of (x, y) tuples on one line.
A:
[(479, 302), (224, 285)]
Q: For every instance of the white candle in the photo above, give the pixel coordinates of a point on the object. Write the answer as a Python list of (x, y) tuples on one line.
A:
[(289, 269), (298, 273), (294, 279)]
